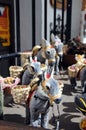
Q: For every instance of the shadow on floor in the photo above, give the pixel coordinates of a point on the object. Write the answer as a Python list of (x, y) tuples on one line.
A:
[(14, 118)]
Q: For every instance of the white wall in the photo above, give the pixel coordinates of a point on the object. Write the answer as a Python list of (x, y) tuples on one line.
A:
[(25, 24), (50, 15), (83, 27), (42, 6), (26, 21), (38, 21), (76, 18)]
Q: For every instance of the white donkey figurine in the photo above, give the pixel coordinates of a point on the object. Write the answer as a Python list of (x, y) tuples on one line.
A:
[(45, 54), (58, 45), (40, 101)]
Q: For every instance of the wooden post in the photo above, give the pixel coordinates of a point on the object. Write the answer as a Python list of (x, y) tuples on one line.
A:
[(62, 20), (68, 22), (45, 19), (33, 23), (54, 16)]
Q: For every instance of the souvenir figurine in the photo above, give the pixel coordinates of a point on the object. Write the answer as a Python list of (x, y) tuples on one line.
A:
[(78, 70), (58, 45), (80, 101), (46, 54), (33, 70), (47, 92)]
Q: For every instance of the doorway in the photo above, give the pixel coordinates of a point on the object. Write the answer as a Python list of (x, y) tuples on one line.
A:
[(7, 35)]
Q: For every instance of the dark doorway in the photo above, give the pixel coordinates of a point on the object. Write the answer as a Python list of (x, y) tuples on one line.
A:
[(7, 35)]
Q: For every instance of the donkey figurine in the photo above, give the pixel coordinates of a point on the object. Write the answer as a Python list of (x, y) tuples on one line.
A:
[(58, 45), (45, 54), (47, 92), (80, 101), (44, 91), (83, 79), (80, 71), (33, 69)]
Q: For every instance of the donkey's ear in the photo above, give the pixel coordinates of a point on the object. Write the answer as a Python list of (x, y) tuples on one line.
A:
[(46, 62), (83, 55), (76, 56), (31, 60), (44, 43), (52, 37)]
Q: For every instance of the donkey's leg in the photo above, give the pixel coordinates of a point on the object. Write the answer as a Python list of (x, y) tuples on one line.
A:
[(34, 111), (34, 118), (85, 87), (45, 119), (83, 78), (57, 65), (73, 82), (27, 120)]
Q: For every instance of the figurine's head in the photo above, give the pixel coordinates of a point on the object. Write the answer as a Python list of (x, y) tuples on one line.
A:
[(48, 51), (79, 58), (35, 67), (51, 89), (56, 41)]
